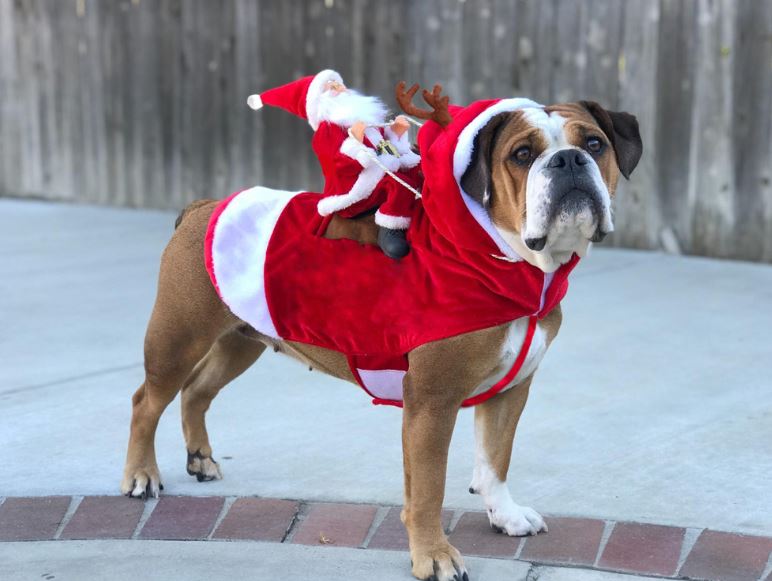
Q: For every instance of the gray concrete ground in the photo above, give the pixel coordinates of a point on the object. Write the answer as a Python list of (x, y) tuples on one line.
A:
[(654, 404), (169, 560)]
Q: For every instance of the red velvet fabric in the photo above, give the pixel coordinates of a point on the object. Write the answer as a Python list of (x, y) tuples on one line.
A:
[(351, 298)]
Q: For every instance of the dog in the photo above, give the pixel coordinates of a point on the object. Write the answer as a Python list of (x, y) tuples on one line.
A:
[(542, 179)]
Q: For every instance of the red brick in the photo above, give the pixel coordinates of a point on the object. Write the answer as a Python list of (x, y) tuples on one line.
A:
[(104, 517), (182, 518), (473, 536), (727, 556), (391, 533), (257, 519), (572, 541), (341, 525), (32, 519), (643, 548)]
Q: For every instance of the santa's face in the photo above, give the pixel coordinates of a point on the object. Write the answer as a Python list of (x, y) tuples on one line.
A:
[(334, 88), (343, 106)]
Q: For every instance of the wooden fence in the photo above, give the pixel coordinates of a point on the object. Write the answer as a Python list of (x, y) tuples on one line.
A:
[(142, 102)]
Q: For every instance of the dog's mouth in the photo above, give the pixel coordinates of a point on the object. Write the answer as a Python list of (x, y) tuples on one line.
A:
[(577, 210), (584, 209), (574, 201)]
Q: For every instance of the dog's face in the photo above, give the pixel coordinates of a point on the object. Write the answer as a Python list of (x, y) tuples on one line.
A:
[(547, 176)]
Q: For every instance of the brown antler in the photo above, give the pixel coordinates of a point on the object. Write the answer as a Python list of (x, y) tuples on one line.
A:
[(435, 100)]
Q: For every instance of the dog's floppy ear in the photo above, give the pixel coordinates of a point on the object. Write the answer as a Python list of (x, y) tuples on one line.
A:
[(476, 180), (622, 130)]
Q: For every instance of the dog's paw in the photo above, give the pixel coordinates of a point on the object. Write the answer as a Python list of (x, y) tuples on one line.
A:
[(440, 564), (516, 520), (142, 483), (204, 468)]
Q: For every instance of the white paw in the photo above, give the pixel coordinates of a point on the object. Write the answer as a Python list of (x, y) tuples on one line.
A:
[(516, 520)]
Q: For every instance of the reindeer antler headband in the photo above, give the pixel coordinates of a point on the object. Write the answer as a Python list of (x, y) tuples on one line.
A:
[(435, 100)]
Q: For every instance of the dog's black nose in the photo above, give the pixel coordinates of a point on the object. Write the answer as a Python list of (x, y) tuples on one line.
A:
[(536, 243), (568, 159)]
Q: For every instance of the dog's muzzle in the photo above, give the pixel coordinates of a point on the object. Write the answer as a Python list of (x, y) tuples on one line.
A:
[(573, 189)]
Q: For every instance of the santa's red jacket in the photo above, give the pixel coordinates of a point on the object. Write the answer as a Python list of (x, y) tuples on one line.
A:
[(270, 264), (354, 182)]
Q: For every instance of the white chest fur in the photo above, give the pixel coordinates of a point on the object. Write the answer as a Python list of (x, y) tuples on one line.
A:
[(510, 349)]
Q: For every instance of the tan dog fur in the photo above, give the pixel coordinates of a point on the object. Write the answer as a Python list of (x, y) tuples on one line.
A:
[(196, 345)]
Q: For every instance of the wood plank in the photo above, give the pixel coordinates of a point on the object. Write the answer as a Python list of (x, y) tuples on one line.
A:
[(751, 136), (711, 183), (142, 103), (637, 220)]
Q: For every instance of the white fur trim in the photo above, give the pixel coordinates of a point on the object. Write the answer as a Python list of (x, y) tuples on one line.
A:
[(240, 241), (392, 222), (375, 136), (315, 89), (362, 188), (391, 162), (254, 102), (356, 150), (462, 156), (409, 159), (402, 143)]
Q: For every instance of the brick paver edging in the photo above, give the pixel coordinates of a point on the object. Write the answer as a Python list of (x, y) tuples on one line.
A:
[(664, 551)]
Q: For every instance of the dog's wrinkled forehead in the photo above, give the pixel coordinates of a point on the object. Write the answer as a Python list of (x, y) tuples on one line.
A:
[(549, 123), (554, 122)]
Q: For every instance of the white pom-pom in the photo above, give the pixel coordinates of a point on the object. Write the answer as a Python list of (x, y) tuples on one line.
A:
[(255, 102)]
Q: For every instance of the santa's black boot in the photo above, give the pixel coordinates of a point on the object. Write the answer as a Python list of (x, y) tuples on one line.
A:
[(393, 242)]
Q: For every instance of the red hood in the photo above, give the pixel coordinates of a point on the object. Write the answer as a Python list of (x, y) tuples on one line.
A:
[(445, 155)]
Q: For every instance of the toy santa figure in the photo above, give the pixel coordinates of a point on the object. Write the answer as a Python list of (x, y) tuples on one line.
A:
[(354, 145)]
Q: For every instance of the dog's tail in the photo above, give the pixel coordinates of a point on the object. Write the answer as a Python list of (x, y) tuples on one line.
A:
[(187, 209)]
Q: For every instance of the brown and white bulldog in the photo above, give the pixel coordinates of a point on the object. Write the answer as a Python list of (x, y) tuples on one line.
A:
[(546, 180)]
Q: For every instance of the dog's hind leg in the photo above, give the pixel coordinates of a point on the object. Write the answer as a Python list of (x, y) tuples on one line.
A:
[(495, 422), (168, 361), (187, 319), (229, 357)]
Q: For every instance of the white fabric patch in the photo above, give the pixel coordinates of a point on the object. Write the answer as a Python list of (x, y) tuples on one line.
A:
[(239, 244), (384, 383)]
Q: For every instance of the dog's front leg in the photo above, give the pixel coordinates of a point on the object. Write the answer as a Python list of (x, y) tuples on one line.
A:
[(495, 422), (427, 426)]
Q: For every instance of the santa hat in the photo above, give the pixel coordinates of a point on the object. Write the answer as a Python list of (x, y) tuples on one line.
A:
[(300, 97)]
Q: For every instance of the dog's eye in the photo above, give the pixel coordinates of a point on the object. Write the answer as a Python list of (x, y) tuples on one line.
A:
[(522, 154), (594, 144)]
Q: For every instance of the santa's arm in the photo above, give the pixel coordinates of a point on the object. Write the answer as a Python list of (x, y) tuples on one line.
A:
[(407, 157), (345, 151)]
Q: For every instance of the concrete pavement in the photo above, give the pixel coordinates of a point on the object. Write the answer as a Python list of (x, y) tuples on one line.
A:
[(131, 560), (653, 405)]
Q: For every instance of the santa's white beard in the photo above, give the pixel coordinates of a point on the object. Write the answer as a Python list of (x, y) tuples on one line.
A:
[(350, 106)]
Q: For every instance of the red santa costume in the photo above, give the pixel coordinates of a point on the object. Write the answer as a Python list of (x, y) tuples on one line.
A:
[(271, 266), (354, 182)]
